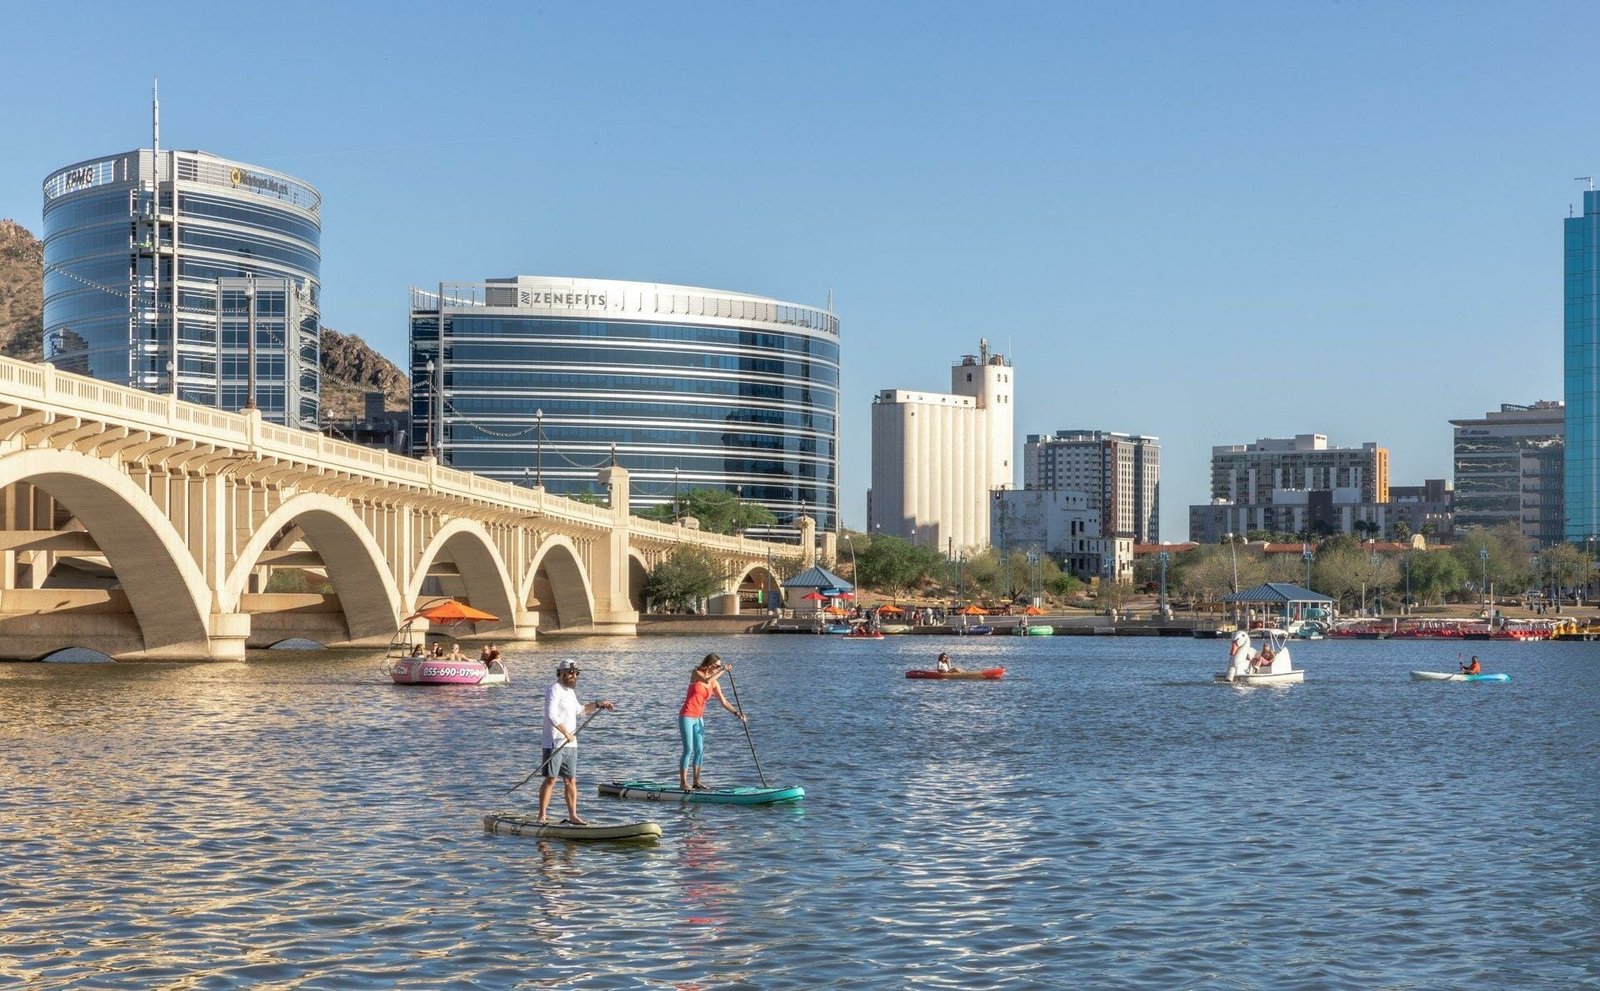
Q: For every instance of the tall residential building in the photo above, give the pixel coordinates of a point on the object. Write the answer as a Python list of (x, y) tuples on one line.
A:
[(1120, 472), (160, 267), (1582, 373), (936, 456), (1292, 485), (539, 380), (1508, 469)]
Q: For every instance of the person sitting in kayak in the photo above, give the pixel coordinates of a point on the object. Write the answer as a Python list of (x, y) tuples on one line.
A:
[(1472, 668), (691, 722), (944, 666)]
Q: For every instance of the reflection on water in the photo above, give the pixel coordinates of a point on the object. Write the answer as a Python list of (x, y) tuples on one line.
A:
[(1101, 817)]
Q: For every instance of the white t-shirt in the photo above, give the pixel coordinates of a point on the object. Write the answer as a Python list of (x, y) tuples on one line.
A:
[(561, 708)]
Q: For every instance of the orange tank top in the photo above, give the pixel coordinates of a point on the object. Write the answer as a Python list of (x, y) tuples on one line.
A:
[(694, 705)]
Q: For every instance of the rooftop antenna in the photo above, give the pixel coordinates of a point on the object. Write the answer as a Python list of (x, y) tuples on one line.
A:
[(830, 294), (1586, 178)]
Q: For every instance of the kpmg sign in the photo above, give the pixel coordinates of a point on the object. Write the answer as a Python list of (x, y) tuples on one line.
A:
[(79, 177)]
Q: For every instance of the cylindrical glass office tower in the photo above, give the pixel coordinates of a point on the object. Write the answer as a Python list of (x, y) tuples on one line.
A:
[(139, 246), (540, 379)]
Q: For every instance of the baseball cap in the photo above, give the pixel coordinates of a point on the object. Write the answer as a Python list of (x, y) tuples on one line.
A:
[(567, 665)]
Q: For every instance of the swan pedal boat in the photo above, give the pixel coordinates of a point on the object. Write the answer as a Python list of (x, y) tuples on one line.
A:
[(1271, 665), (1457, 676), (987, 674)]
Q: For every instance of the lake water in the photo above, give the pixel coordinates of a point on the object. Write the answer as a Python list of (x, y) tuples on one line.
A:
[(1101, 818)]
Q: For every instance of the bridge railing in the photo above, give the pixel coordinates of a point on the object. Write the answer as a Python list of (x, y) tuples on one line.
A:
[(66, 394)]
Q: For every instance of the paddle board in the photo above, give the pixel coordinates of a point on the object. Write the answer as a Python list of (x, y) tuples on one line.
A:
[(520, 824), (657, 791), (987, 674)]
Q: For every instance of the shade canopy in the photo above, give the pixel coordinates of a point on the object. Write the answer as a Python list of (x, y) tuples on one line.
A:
[(819, 578), (1275, 593), (974, 611), (453, 612), (890, 609), (1033, 611), (837, 610)]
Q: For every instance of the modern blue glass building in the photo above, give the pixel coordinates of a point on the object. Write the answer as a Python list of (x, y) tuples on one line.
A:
[(1582, 373), (539, 380), (159, 266)]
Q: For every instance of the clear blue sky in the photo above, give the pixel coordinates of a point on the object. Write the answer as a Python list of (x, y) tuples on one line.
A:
[(1209, 222)]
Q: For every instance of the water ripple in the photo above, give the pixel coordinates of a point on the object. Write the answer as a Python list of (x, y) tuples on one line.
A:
[(1102, 817)]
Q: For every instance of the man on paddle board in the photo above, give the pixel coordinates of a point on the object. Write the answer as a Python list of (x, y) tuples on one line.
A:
[(703, 687), (561, 713)]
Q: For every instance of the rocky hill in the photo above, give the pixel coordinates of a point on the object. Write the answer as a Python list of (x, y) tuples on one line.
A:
[(350, 368), (21, 292)]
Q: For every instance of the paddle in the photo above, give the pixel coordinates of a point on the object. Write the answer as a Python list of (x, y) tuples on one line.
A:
[(548, 763), (748, 739)]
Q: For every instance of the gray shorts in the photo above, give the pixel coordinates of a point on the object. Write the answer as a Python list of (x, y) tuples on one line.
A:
[(565, 763)]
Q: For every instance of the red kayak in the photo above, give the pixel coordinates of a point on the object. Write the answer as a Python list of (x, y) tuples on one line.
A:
[(987, 674)]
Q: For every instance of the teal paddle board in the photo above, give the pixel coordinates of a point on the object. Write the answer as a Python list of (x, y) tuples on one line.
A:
[(656, 791)]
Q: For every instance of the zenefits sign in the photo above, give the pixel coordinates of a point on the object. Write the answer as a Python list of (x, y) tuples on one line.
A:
[(569, 298)]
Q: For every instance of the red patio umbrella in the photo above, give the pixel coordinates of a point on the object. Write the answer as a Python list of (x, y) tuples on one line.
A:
[(814, 596)]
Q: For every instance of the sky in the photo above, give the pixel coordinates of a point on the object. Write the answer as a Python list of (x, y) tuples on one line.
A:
[(1208, 222)]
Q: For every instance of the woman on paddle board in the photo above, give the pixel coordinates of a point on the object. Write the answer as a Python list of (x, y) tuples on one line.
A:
[(691, 718)]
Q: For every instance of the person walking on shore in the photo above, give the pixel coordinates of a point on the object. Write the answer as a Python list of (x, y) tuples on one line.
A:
[(561, 713), (691, 718)]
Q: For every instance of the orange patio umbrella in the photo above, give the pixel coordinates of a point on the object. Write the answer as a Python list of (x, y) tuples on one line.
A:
[(1033, 611), (890, 609), (974, 611), (836, 610), (453, 612)]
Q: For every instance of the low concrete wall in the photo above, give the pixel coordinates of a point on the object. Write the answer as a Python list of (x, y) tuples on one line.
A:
[(713, 625)]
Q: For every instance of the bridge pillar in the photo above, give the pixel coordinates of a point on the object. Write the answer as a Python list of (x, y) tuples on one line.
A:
[(614, 614), (227, 633)]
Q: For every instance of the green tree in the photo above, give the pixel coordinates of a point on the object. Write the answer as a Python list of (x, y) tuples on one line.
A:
[(1434, 575), (683, 578), (1501, 552), (896, 565), (1564, 565), (718, 510), (1401, 530)]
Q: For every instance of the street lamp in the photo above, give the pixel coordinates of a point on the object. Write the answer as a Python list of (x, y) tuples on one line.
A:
[(1233, 557), (428, 434), (1305, 552), (1163, 583), (538, 447), (738, 509), (1483, 586), (855, 574), (1408, 583)]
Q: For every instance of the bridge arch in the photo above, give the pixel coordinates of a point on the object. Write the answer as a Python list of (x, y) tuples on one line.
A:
[(567, 597), (164, 585), (638, 573), (353, 559), (482, 577)]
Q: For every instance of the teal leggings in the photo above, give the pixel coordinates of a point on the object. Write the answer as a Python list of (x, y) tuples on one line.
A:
[(693, 731)]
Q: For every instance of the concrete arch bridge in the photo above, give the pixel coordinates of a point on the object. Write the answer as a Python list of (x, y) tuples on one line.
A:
[(147, 528)]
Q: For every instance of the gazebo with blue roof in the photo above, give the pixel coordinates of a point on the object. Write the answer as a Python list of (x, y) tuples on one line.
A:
[(817, 579), (1292, 601)]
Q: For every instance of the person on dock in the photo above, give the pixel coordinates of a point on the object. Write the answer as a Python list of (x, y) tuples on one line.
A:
[(561, 713), (944, 666), (1472, 666), (703, 686)]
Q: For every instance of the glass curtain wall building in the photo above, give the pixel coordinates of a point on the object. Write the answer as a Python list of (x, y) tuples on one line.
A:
[(536, 380), (1581, 361), (157, 267)]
